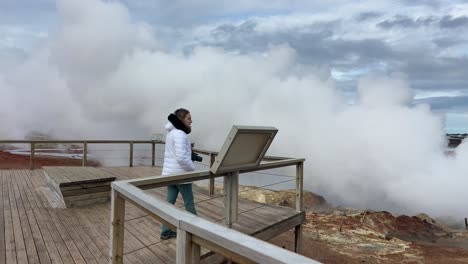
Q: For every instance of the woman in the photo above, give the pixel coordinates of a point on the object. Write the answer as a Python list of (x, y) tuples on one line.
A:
[(178, 159)]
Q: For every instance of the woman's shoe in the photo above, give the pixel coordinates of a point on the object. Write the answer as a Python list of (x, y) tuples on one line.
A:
[(168, 234)]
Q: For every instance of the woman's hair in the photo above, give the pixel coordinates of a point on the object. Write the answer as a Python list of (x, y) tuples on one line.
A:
[(181, 113)]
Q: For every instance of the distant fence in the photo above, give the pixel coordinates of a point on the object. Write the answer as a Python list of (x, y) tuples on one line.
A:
[(85, 143)]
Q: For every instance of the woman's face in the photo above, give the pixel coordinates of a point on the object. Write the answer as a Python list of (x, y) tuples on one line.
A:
[(188, 120)]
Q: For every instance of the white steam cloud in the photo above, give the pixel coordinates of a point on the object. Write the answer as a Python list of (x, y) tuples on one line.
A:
[(102, 75)]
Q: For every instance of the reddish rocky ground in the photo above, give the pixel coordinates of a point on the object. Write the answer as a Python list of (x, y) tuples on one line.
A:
[(13, 161), (339, 235)]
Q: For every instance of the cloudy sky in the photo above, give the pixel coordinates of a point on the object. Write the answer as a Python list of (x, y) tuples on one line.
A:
[(365, 92), (425, 40)]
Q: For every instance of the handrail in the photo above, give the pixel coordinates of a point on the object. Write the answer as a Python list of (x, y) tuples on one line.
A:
[(163, 180), (192, 229), (194, 232), (215, 153)]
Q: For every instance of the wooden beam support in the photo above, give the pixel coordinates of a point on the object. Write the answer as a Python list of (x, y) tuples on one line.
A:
[(85, 153), (184, 247), (211, 186), (299, 205), (117, 227), (31, 156), (298, 239), (231, 194), (153, 154), (131, 155), (300, 186), (196, 252)]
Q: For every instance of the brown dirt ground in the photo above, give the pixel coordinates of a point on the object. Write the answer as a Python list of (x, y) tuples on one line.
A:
[(380, 238), (13, 161)]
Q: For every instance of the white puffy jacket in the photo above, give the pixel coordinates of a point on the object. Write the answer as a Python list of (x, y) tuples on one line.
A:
[(178, 152)]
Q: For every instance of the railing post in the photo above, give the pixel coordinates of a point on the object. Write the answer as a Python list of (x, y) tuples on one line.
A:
[(231, 194), (153, 153), (85, 153), (131, 154), (299, 186), (117, 227), (211, 185), (31, 156), (196, 250), (184, 247), (299, 205)]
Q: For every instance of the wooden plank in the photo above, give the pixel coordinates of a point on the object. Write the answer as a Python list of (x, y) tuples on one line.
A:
[(30, 247), (86, 181), (165, 251), (132, 258), (99, 216), (151, 226), (10, 246), (105, 188), (85, 244), (56, 174), (87, 196), (86, 202), (84, 186), (46, 220), (89, 229), (36, 233), (69, 176), (147, 256), (43, 227), (64, 235), (146, 231)]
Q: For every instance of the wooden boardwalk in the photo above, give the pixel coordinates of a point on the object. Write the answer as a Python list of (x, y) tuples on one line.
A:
[(34, 230)]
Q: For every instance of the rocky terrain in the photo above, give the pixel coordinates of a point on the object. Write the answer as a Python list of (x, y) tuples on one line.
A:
[(346, 235)]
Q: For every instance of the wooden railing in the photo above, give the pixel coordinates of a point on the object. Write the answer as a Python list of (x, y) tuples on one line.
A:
[(212, 155), (194, 232), (85, 144)]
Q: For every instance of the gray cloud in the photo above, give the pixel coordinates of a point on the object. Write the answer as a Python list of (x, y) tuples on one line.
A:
[(430, 3), (313, 46), (453, 22), (367, 15), (446, 42), (404, 21), (318, 44), (458, 103), (437, 73)]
